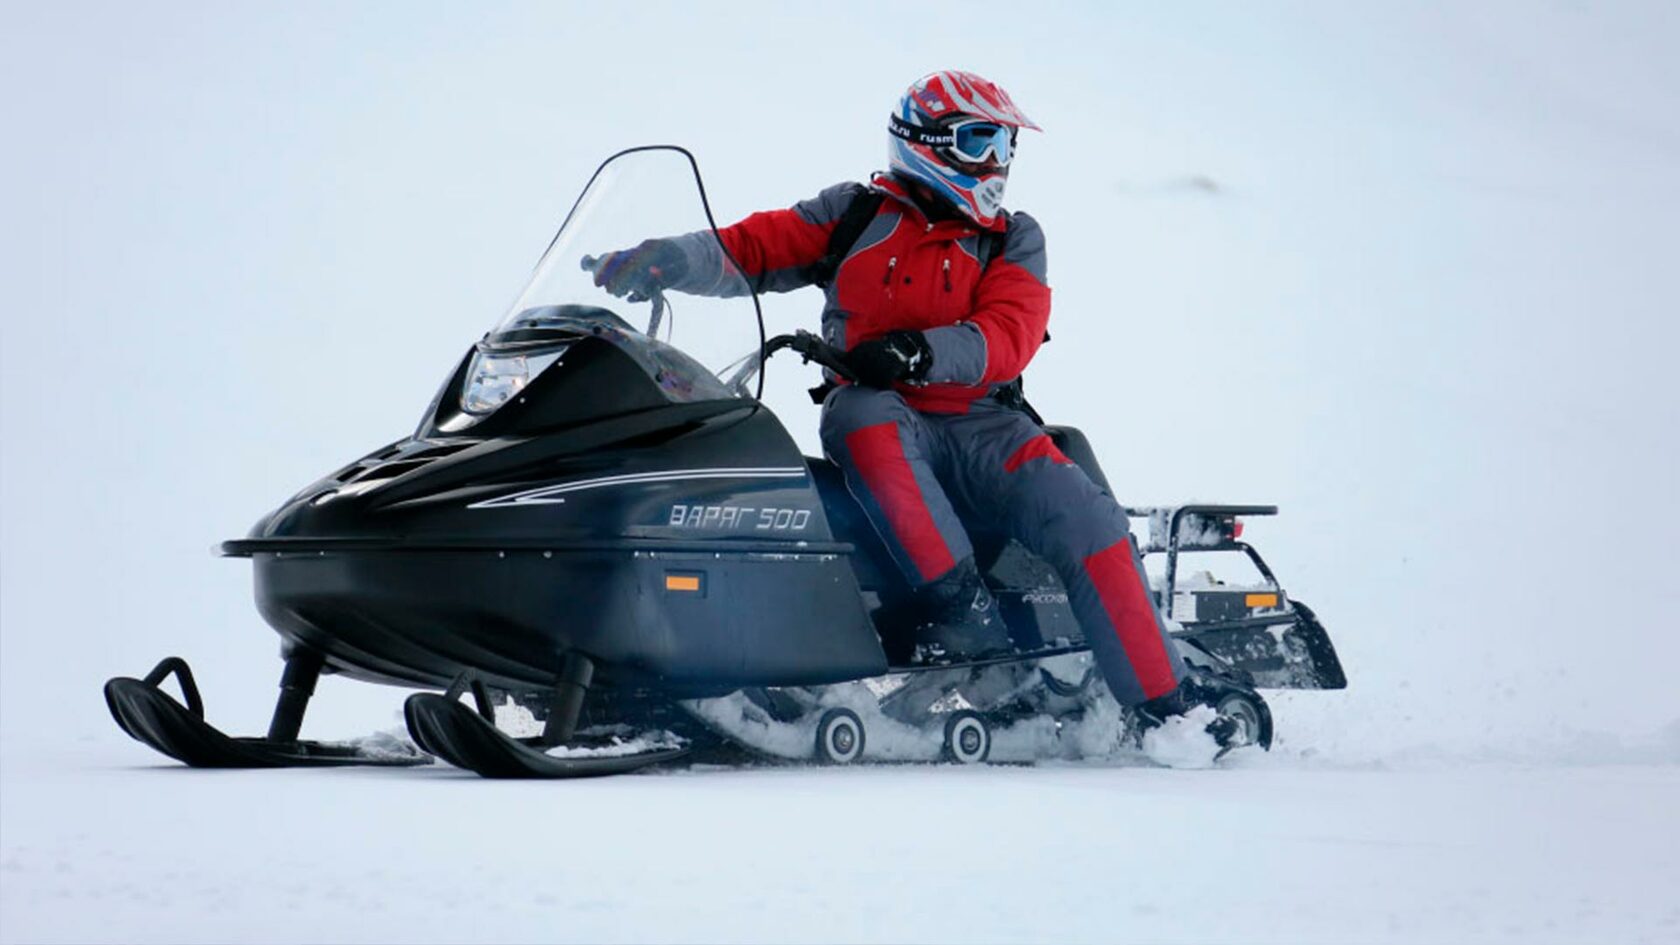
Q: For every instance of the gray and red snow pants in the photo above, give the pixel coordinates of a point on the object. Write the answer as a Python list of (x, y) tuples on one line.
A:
[(919, 476)]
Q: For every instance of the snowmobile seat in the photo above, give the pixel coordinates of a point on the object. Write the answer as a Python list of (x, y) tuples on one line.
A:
[(1076, 447)]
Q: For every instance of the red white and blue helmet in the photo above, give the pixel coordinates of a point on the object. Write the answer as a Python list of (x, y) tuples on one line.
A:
[(954, 132)]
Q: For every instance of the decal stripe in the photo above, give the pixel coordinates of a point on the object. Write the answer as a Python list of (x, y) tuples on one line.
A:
[(551, 495), (1114, 572)]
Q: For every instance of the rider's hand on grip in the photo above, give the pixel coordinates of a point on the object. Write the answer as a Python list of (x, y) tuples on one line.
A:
[(893, 357), (639, 272)]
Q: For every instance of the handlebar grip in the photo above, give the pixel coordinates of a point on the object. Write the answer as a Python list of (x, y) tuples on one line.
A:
[(813, 348)]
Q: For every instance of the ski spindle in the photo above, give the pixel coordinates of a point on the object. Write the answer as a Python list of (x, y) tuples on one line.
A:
[(576, 673), (297, 685)]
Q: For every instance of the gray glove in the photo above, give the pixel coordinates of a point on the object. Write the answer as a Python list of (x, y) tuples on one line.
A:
[(639, 272)]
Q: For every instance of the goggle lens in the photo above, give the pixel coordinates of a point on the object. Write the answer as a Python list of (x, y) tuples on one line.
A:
[(973, 141)]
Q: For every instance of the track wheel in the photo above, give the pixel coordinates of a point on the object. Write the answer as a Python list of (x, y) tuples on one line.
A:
[(1252, 716), (968, 739), (839, 737)]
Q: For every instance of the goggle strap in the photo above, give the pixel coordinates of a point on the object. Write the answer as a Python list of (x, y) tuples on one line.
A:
[(933, 137), (939, 138)]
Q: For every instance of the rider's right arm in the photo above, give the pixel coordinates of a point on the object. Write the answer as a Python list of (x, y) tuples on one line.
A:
[(774, 248)]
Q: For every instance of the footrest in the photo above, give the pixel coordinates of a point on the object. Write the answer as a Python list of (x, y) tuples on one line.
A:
[(1018, 656)]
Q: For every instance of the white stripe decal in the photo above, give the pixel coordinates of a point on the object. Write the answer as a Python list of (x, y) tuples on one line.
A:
[(553, 495), (978, 106)]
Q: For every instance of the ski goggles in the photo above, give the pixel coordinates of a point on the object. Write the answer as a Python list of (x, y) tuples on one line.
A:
[(971, 140)]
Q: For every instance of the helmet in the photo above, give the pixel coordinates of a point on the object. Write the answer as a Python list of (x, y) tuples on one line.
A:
[(954, 132)]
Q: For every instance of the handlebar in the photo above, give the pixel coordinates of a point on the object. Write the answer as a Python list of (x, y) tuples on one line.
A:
[(810, 348)]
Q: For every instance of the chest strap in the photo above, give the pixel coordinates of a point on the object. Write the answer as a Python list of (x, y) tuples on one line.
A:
[(845, 234), (856, 219)]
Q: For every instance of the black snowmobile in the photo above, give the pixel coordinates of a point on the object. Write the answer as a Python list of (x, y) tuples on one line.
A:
[(619, 539)]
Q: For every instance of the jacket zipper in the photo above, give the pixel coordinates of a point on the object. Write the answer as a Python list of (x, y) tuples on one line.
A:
[(947, 268), (891, 265)]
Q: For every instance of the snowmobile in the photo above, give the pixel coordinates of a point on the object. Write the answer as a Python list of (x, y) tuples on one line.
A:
[(618, 537)]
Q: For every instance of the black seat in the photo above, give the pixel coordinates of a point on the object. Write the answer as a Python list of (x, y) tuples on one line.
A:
[(1074, 446)]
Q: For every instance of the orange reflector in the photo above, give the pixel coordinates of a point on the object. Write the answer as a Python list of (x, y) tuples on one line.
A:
[(682, 582), (1261, 600)]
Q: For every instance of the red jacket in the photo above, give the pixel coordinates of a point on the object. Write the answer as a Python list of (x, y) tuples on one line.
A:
[(984, 324)]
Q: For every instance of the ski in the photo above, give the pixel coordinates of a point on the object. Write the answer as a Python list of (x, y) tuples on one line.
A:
[(155, 718), (457, 734)]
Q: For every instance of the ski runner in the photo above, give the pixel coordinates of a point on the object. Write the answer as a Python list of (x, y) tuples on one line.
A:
[(940, 302)]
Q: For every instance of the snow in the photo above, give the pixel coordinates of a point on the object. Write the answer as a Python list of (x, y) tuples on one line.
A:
[(602, 741), (389, 745), (1265, 851), (1183, 741), (1404, 271), (619, 746)]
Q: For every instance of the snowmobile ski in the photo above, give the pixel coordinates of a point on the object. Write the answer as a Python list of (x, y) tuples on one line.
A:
[(464, 738), (153, 717)]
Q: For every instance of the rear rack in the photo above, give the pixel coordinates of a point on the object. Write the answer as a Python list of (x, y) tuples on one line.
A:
[(1177, 528)]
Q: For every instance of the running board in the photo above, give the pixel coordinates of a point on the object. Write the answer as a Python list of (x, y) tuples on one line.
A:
[(1017, 656)]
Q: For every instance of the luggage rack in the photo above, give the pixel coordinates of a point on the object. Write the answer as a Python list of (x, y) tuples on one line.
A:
[(1299, 652), (1177, 528)]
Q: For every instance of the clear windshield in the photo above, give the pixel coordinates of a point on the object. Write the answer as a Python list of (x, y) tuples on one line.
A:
[(640, 195)]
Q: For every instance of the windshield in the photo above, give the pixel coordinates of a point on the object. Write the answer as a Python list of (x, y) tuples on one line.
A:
[(635, 304), (697, 303)]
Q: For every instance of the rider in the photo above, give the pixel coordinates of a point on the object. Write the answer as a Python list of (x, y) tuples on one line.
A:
[(939, 303)]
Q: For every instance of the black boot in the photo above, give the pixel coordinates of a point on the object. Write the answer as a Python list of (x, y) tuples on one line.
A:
[(1243, 718), (961, 620)]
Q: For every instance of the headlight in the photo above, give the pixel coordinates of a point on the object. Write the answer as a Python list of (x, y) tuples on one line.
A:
[(496, 376)]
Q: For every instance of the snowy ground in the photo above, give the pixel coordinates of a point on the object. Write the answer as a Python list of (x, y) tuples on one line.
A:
[(1266, 849)]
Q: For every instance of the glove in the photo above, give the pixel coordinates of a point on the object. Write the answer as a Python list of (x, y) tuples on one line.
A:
[(895, 356), (640, 272)]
